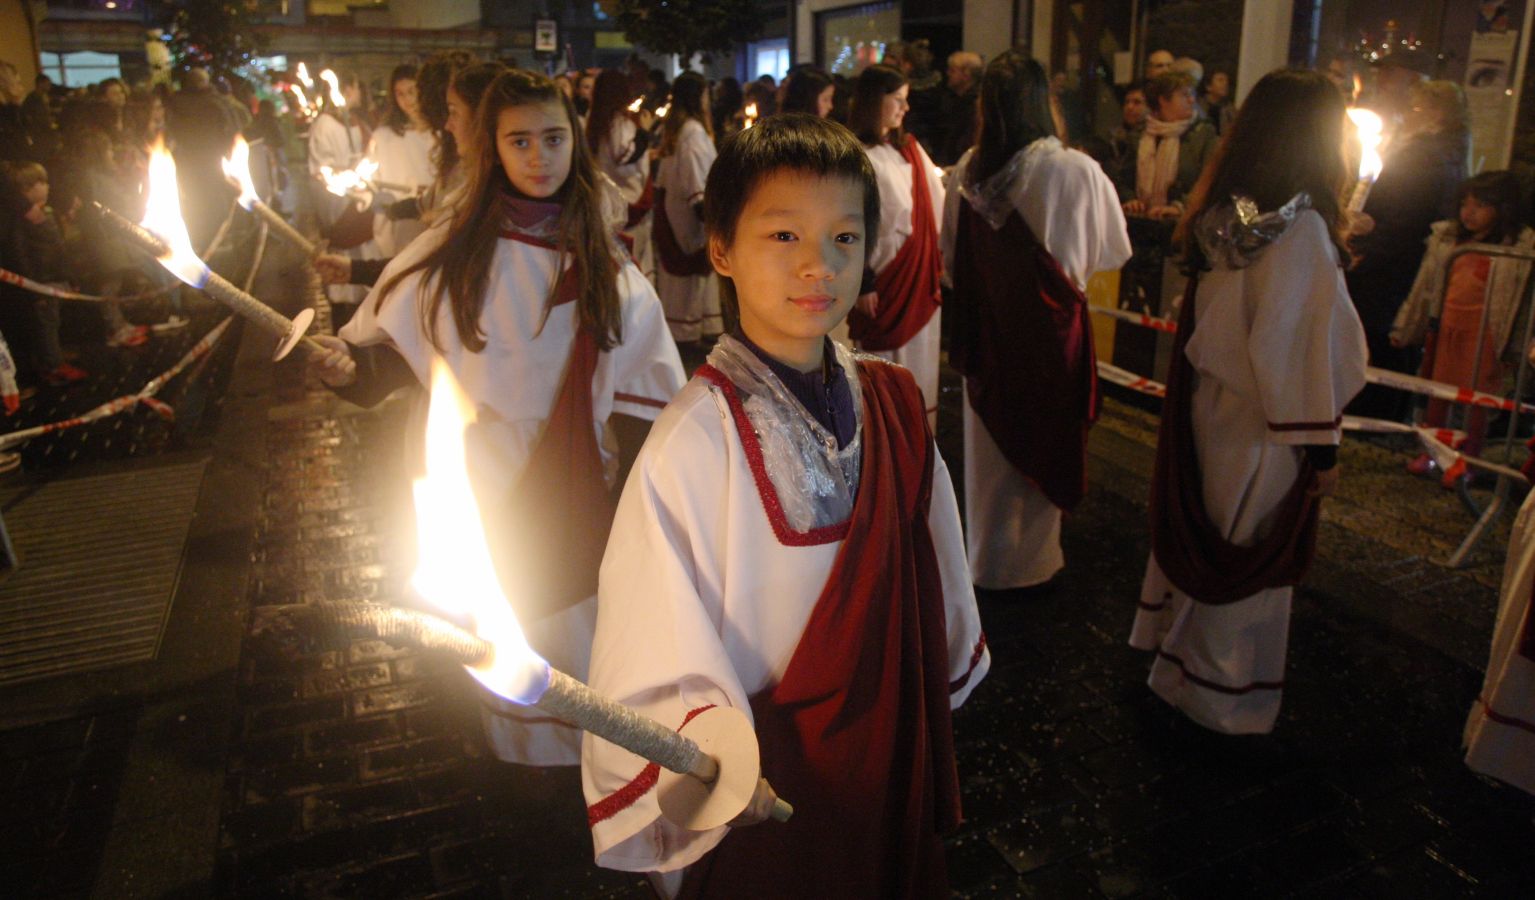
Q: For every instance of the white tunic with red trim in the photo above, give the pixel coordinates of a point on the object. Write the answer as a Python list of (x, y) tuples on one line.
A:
[(405, 161), (513, 382), (692, 302), (703, 598), (894, 175), (616, 159), (1278, 351), (1500, 732)]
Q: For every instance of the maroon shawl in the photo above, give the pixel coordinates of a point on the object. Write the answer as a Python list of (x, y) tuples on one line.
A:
[(907, 287)]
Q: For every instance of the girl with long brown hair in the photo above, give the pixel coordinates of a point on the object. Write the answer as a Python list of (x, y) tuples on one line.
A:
[(403, 147), (530, 298), (897, 315), (684, 278), (1269, 350), (620, 143)]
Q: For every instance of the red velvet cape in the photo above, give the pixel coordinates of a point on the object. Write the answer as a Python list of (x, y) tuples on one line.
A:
[(673, 258), (908, 286), (857, 735), (1020, 336), (554, 527), (1187, 544)]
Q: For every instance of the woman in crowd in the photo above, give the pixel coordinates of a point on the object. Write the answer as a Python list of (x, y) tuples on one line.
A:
[(725, 106), (808, 90), (1172, 151), (1019, 331), (338, 137), (897, 315), (684, 276), (402, 147), (1268, 352), (620, 146)]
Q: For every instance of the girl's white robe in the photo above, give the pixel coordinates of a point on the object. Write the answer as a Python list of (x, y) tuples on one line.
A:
[(700, 603), (513, 383), (630, 179), (1012, 531), (1277, 352), (340, 147), (692, 302), (404, 160), (894, 175)]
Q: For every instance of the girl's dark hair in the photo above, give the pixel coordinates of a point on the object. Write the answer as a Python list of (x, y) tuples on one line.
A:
[(458, 270), (1502, 191), (802, 90), (869, 90), (725, 104), (689, 100), (1287, 138), (1014, 112), (794, 142), (432, 83), (610, 102), (397, 120), (469, 83)]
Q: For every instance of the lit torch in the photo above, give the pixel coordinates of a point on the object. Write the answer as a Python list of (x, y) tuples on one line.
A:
[(637, 104), (751, 115), (302, 73), (337, 98), (665, 108), (164, 234), (1370, 129), (237, 170)]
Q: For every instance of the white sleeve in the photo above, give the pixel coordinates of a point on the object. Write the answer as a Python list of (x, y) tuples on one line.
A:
[(647, 371), (657, 647), (328, 145), (935, 187), (695, 157), (969, 659), (948, 230), (1073, 209), (1305, 345)]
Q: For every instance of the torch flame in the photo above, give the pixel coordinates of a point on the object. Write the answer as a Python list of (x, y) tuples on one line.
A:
[(162, 218), (351, 180), (237, 169), (635, 106), (1370, 129), (661, 113), (303, 76), (303, 99), (337, 98), (453, 568)]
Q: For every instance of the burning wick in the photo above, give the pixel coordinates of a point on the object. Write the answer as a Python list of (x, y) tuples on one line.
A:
[(237, 170), (302, 73), (337, 98), (661, 113), (716, 774), (751, 114), (635, 106), (164, 234), (1369, 127), (349, 181)]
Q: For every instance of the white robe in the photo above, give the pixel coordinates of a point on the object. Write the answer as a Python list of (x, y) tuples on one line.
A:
[(1012, 531), (340, 147), (630, 179), (894, 175), (1500, 731), (513, 383), (701, 603), (692, 302), (1277, 351), (404, 160)]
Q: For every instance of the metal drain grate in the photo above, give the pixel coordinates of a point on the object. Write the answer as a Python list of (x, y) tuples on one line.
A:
[(99, 560)]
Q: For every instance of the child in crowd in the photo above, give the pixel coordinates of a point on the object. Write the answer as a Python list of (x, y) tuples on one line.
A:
[(684, 278), (529, 297), (789, 545), (1489, 214), (35, 249)]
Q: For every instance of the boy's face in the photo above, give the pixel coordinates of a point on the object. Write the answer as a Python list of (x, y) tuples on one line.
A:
[(1477, 217), (533, 141), (796, 261)]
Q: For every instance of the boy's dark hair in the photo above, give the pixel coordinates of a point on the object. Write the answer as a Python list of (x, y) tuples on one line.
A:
[(1502, 191), (865, 115), (796, 142)]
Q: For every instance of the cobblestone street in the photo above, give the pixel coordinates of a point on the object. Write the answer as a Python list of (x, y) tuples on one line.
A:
[(363, 773)]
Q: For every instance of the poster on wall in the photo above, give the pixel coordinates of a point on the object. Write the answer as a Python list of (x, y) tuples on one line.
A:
[(1491, 66)]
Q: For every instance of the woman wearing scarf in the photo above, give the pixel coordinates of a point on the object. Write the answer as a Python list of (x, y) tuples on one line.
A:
[(1172, 151)]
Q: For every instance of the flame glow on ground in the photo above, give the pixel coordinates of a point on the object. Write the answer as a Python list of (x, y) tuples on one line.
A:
[(453, 568), (237, 168), (162, 218)]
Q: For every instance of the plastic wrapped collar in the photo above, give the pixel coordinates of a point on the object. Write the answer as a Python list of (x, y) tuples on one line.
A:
[(1232, 235), (994, 198), (816, 483)]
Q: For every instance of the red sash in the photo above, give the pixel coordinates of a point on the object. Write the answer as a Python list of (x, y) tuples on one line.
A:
[(1020, 336), (1187, 544), (858, 735), (555, 525), (673, 258), (908, 286)]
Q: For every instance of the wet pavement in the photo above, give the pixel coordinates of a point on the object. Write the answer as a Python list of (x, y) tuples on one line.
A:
[(363, 772)]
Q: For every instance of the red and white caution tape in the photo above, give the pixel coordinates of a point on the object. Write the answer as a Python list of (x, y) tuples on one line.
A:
[(10, 393), (1440, 443), (1410, 383)]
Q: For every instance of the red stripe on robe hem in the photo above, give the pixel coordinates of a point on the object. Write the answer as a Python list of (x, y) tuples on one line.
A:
[(908, 286), (771, 505), (959, 683), (621, 397), (1021, 336), (638, 786), (858, 732), (1501, 719), (1305, 426), (1217, 686)]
